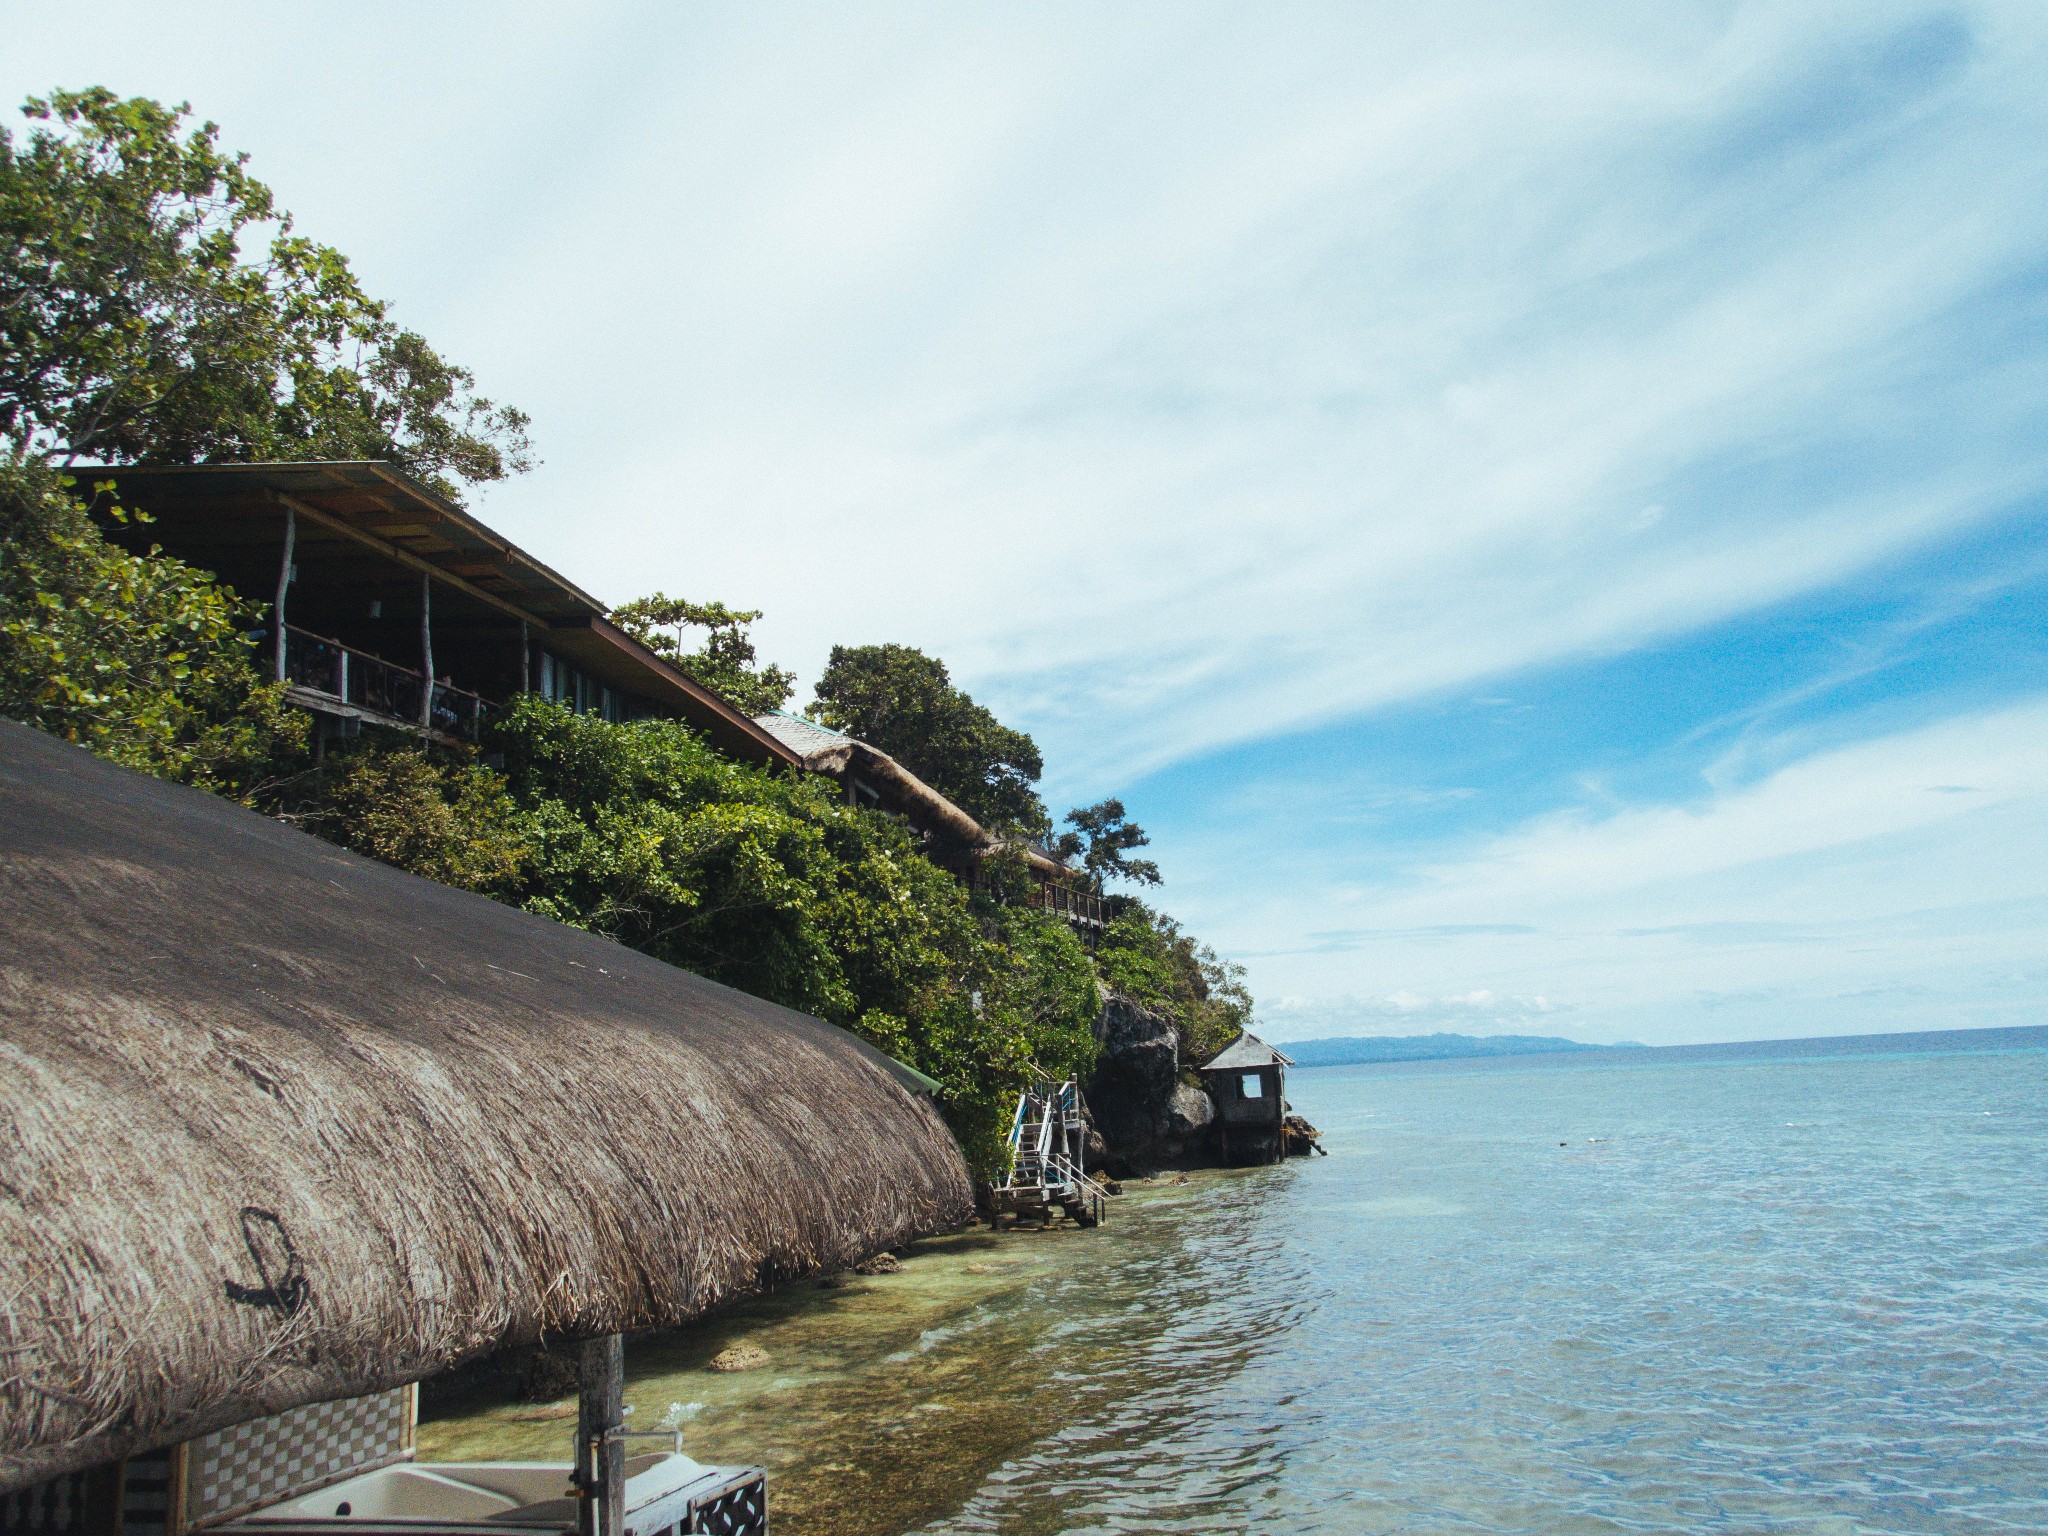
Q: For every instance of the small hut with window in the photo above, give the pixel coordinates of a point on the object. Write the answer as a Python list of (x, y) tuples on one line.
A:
[(1247, 1083)]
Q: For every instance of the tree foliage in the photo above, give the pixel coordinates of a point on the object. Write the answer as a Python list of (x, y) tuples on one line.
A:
[(1103, 839), (903, 701), (768, 883), (725, 663), (440, 815), (142, 659), (1146, 955), (133, 327)]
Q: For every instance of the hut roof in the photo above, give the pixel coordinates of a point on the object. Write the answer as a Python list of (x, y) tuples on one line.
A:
[(1246, 1053), (279, 1124), (824, 750)]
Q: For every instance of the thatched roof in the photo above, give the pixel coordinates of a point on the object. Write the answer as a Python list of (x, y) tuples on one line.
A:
[(824, 750), (279, 1124)]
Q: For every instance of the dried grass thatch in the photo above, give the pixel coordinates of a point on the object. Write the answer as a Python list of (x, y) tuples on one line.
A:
[(278, 1124)]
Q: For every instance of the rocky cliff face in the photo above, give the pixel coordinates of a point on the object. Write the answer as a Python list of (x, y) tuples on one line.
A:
[(1146, 1117)]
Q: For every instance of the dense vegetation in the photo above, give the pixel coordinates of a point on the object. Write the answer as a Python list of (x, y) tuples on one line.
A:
[(132, 328), (903, 701)]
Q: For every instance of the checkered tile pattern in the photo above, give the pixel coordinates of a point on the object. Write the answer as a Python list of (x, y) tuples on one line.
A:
[(146, 1495), (270, 1459)]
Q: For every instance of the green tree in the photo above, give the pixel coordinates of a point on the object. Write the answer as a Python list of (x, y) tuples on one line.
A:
[(1103, 839), (774, 885), (903, 701), (144, 660), (726, 663), (133, 328), (432, 811), (1148, 956)]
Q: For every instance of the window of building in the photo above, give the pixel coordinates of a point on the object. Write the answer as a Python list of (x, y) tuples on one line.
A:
[(562, 683), (1251, 1086)]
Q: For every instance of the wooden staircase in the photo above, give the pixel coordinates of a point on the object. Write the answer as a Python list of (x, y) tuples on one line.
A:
[(1047, 1172)]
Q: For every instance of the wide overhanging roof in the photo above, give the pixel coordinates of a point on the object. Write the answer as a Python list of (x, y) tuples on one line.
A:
[(382, 501), (380, 507), (279, 1124)]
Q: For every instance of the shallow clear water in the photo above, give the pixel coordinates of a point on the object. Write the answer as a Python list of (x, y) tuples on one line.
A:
[(1750, 1292)]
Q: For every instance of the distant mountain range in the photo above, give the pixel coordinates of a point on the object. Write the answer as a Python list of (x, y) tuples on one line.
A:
[(1350, 1050)]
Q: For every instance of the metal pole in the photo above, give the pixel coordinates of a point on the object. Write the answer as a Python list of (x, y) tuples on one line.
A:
[(600, 1438), (427, 651), (284, 580)]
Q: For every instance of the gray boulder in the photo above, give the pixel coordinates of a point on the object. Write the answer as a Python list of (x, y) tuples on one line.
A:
[(1146, 1117)]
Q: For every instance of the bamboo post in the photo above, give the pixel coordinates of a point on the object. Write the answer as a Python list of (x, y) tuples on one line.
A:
[(427, 651), (284, 580), (600, 1442)]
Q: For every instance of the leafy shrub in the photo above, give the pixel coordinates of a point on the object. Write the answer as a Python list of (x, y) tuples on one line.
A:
[(142, 659), (1147, 956)]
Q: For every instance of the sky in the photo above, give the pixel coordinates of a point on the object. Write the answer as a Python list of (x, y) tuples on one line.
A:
[(1537, 507)]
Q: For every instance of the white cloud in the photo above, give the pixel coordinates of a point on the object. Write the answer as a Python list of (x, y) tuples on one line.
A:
[(1187, 372), (1181, 372), (1854, 889)]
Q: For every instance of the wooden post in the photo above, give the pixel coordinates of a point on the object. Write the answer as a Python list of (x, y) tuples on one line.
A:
[(600, 1446), (100, 1514), (525, 659), (284, 580), (427, 651)]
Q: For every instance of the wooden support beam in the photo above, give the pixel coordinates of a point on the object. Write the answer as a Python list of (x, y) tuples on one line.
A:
[(284, 581), (427, 652), (406, 558), (600, 1437)]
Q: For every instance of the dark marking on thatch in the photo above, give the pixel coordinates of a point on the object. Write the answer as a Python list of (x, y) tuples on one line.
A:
[(276, 1258), (461, 1163), (258, 1076)]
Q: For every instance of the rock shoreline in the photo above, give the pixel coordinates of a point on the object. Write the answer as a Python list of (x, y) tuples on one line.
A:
[(1145, 1117)]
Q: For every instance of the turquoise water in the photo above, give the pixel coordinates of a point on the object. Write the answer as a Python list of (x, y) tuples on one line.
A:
[(1766, 1293), (1758, 1291)]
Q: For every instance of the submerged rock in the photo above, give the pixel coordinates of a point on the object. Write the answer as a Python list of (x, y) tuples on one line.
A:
[(739, 1357), (544, 1376)]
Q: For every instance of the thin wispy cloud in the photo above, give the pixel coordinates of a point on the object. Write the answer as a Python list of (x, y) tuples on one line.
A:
[(1852, 874), (1398, 447)]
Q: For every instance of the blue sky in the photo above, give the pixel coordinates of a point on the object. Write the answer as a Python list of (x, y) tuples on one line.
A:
[(1538, 507)]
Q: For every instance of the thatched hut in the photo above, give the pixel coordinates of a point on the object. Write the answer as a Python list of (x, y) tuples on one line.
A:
[(280, 1126)]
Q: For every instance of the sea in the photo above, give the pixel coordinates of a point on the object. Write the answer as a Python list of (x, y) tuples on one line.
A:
[(1795, 1287)]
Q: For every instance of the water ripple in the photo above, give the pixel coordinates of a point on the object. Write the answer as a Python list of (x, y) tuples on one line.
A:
[(1805, 1295)]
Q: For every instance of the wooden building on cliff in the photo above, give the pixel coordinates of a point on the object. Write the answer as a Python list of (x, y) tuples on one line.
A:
[(391, 606)]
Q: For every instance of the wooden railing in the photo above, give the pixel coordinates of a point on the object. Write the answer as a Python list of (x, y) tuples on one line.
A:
[(1075, 905), (376, 686)]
